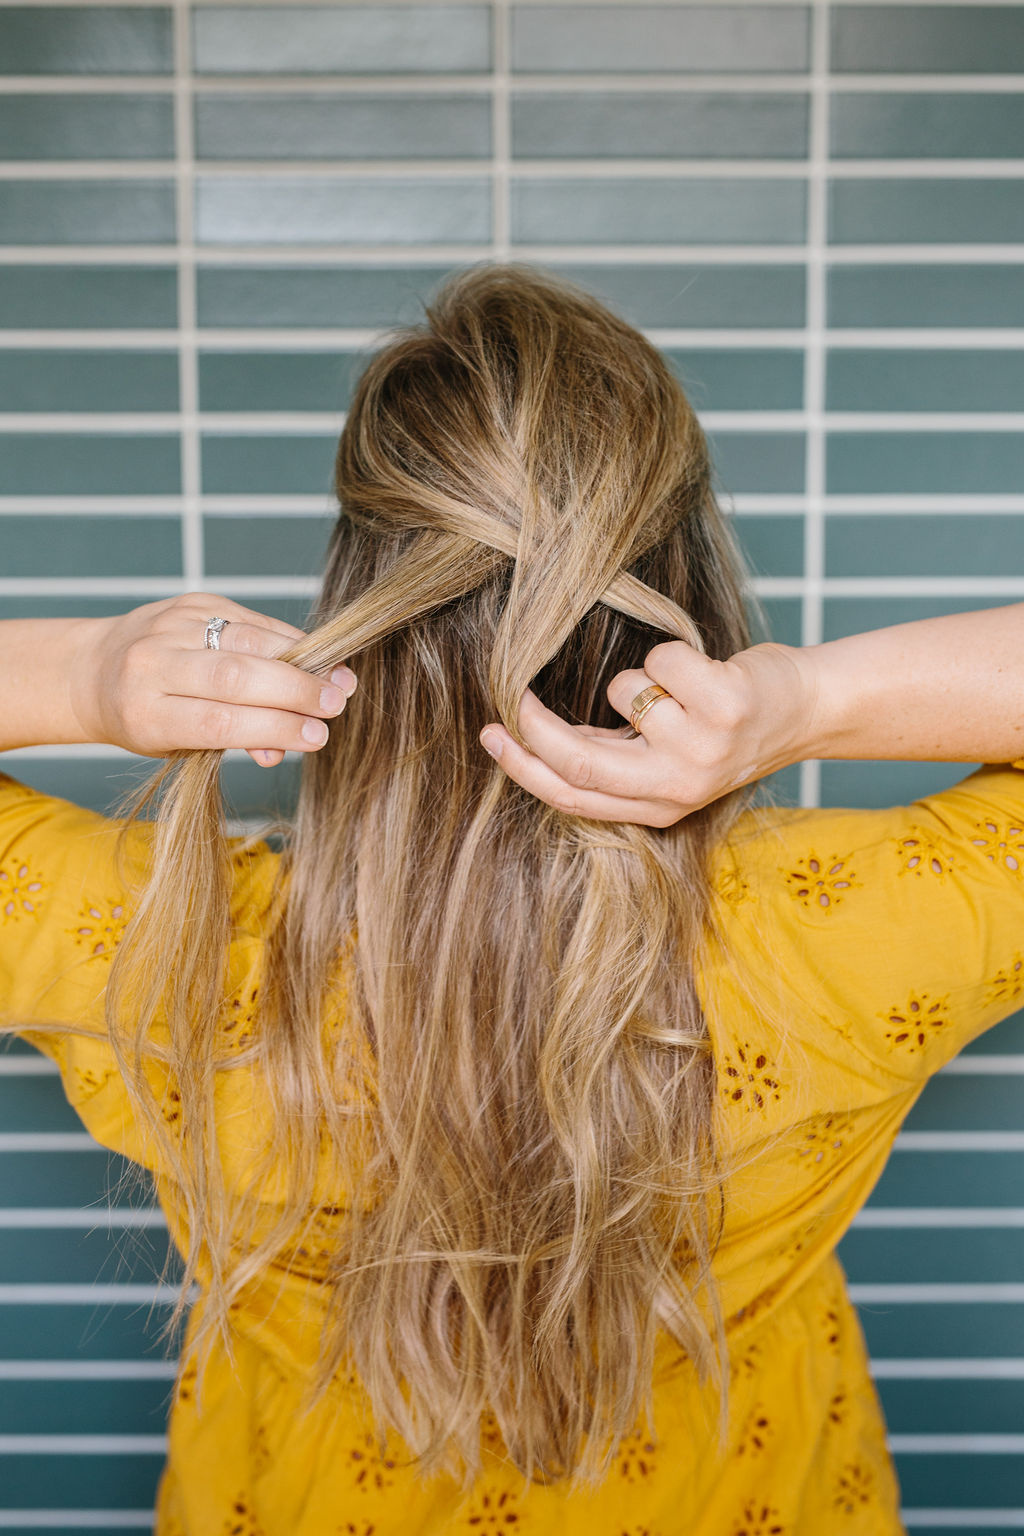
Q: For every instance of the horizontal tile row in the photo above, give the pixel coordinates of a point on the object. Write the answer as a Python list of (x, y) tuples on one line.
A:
[(861, 379), (544, 125), (432, 38), (551, 210), (659, 294), (263, 462)]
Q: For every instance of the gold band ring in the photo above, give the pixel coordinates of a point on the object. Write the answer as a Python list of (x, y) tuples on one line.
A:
[(645, 700)]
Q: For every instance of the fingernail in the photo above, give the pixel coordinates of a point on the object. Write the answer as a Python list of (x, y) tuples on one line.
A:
[(345, 680), (331, 700), (315, 732), (491, 742)]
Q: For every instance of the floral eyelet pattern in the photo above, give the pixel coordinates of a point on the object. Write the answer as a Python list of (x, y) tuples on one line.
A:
[(21, 891), (822, 1139), (493, 1510), (636, 1460), (759, 1519), (747, 1078), (912, 1024), (922, 857), (100, 928), (821, 883), (1008, 982), (1000, 842), (756, 1433), (854, 1488)]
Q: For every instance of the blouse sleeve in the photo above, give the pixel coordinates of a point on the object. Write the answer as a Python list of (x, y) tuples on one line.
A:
[(903, 928)]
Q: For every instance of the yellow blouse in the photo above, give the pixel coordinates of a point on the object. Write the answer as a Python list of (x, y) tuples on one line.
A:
[(880, 942)]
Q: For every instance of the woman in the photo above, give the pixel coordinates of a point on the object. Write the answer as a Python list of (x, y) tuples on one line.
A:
[(509, 1118)]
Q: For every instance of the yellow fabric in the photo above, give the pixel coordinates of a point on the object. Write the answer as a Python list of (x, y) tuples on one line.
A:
[(863, 949)]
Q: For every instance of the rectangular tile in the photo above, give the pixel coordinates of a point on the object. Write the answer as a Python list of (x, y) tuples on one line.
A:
[(927, 39), (773, 546), (80, 1256), (89, 464), (674, 294), (356, 127), (851, 615), (86, 40), (784, 619), (951, 1103), (951, 294), (90, 546), (93, 127), (117, 1331), (719, 39), (944, 1331), (740, 378), (765, 462), (341, 39), (278, 381), (959, 1481), (669, 210), (87, 212), (922, 125), (265, 546), (314, 296), (271, 464), (937, 210), (949, 1179), (957, 463), (873, 785), (925, 379), (952, 1407), (679, 124), (67, 1179), (1006, 1036), (84, 1407), (333, 210), (887, 1256), (88, 379), (99, 1482), (979, 544), (88, 297)]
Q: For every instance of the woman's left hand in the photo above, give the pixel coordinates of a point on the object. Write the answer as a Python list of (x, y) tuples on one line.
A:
[(144, 680)]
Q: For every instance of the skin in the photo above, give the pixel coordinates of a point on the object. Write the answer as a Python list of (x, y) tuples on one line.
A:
[(946, 689)]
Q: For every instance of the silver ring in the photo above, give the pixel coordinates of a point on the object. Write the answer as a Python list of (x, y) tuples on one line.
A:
[(211, 639)]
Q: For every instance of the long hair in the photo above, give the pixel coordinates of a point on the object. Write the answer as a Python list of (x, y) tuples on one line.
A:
[(487, 1084)]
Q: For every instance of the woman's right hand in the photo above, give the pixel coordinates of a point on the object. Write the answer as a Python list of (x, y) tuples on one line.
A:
[(726, 723)]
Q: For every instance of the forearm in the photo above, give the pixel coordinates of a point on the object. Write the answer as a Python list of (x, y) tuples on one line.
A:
[(38, 658), (948, 689)]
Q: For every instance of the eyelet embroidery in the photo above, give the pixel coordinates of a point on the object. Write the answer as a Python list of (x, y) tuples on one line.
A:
[(750, 1362), (748, 1078), (371, 1471), (88, 1084), (822, 1139), (185, 1387), (1002, 842), (839, 1407), (636, 1460), (239, 1018), (913, 1023), (1008, 982), (19, 891), (820, 883), (100, 929), (351, 1528), (492, 1510), (759, 1520), (920, 855), (756, 1433), (831, 1320), (241, 1521), (854, 1488)]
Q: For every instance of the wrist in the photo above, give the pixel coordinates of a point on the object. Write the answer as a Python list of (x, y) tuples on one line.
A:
[(82, 674)]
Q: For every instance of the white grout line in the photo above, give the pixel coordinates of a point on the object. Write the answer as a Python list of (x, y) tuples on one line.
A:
[(929, 1217), (915, 1293), (48, 1141), (83, 1445), (90, 1293), (964, 1520), (330, 339), (959, 1141), (88, 1370), (77, 1519), (501, 149), (113, 1218), (188, 367), (956, 1445), (948, 1370)]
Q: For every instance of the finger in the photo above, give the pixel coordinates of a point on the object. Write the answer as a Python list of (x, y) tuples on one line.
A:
[(212, 603), (534, 775), (623, 691), (266, 757), (205, 724), (232, 678), (611, 765)]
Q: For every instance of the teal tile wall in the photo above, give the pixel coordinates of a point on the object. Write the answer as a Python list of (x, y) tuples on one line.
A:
[(208, 215)]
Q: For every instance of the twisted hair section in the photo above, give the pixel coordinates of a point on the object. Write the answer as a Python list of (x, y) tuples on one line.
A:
[(483, 1074)]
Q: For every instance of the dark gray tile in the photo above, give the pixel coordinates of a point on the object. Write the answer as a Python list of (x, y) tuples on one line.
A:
[(907, 462), (74, 1481), (266, 546), (84, 1407), (89, 464), (951, 1407), (784, 616), (293, 610), (73, 379), (694, 38), (933, 210), (314, 296), (763, 462), (278, 381), (952, 1178), (91, 546), (299, 463), (922, 125), (672, 210), (341, 39), (873, 785), (945, 544), (120, 127), (927, 39), (773, 545), (695, 295), (86, 40), (329, 210), (951, 294), (677, 124), (925, 379), (943, 1331), (740, 378), (320, 126), (853, 615), (88, 297), (87, 212)]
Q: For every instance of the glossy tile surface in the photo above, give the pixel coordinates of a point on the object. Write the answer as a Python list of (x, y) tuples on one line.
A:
[(686, 125), (676, 210), (298, 210), (85, 40), (716, 39), (341, 39), (331, 127), (93, 127)]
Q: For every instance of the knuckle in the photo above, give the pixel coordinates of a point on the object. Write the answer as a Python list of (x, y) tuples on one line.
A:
[(567, 804), (215, 724), (229, 674), (578, 770)]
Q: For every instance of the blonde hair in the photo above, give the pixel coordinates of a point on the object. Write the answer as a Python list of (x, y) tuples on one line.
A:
[(525, 1180)]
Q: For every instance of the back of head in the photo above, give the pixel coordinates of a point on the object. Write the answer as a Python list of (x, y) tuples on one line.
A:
[(525, 500)]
